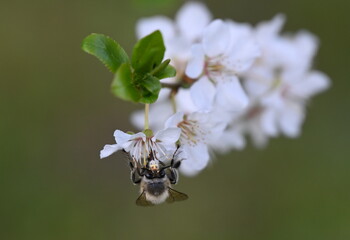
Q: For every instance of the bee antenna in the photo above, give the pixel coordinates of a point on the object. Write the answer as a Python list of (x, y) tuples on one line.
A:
[(176, 152)]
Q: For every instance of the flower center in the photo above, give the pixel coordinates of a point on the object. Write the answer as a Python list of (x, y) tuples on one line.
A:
[(214, 68), (191, 132), (253, 112)]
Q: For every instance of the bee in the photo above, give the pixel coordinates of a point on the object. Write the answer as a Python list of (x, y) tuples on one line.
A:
[(155, 180)]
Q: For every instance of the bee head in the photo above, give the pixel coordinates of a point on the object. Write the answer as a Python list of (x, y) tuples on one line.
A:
[(154, 165)]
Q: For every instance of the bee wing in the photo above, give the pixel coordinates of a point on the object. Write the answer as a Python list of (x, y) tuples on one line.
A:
[(175, 196), (142, 201)]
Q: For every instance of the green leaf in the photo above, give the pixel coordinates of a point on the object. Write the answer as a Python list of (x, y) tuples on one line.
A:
[(122, 85), (137, 81), (148, 98), (109, 52), (148, 53), (160, 67), (168, 71), (151, 84), (164, 70), (135, 87), (147, 86)]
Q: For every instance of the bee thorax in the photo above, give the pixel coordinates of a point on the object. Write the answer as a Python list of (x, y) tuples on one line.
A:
[(156, 188)]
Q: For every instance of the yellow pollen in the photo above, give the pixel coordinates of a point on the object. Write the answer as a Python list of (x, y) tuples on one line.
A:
[(216, 68)]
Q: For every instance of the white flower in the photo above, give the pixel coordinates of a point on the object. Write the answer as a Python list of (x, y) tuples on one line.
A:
[(281, 82), (248, 122), (285, 104), (227, 50), (231, 138), (140, 146), (197, 132), (185, 25), (180, 34), (253, 121), (269, 41), (109, 150), (216, 112)]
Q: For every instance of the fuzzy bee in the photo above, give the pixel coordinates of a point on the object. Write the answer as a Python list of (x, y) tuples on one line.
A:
[(155, 182)]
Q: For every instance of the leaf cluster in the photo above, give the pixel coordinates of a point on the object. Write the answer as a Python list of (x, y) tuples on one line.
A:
[(136, 79)]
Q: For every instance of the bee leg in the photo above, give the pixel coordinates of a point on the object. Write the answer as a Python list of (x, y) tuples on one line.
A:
[(135, 179), (131, 165), (135, 174), (177, 149), (142, 172), (175, 165), (173, 176)]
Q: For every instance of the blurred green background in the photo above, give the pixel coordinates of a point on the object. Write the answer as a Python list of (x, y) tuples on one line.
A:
[(57, 113)]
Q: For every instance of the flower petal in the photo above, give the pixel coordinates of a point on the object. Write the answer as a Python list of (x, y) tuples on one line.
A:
[(197, 158), (168, 136), (184, 101), (291, 119), (139, 135), (202, 93), (243, 50), (241, 60), (274, 99), (231, 96), (259, 138), (230, 139), (268, 122), (192, 18), (146, 26), (126, 140), (314, 83), (121, 137), (109, 150), (269, 29), (216, 38), (259, 81), (174, 120), (196, 63), (307, 45)]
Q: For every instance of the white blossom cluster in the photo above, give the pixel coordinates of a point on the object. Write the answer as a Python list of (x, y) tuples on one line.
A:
[(233, 80)]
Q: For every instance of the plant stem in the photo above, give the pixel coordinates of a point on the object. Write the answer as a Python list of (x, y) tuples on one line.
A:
[(146, 116), (171, 86), (173, 100)]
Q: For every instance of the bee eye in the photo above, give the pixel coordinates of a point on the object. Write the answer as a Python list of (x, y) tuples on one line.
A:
[(149, 175), (162, 173)]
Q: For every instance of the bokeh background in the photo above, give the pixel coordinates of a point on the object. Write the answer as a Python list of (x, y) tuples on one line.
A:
[(57, 113)]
